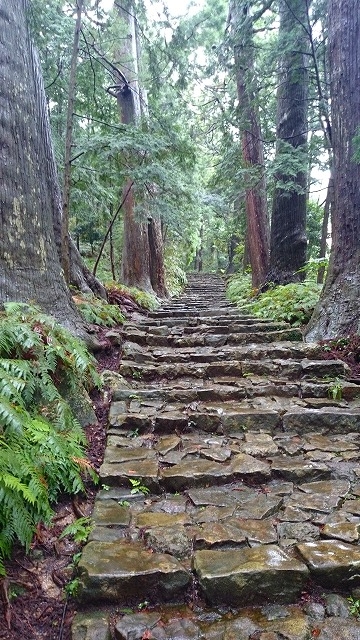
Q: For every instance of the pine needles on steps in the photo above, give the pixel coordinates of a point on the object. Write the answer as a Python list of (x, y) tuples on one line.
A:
[(41, 442)]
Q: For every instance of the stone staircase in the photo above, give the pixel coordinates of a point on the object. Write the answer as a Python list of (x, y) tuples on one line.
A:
[(230, 506)]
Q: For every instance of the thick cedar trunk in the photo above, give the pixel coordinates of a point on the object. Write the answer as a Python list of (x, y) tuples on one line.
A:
[(288, 241), (142, 259), (338, 312), (252, 147), (29, 261)]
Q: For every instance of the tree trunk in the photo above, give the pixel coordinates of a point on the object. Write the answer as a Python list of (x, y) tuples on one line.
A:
[(65, 237), (233, 244), (142, 259), (29, 261), (252, 147), (329, 205), (157, 272), (338, 312), (288, 241), (136, 254)]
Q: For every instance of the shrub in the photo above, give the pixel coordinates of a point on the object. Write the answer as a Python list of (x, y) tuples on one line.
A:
[(97, 311), (41, 442), (293, 303), (239, 288), (141, 298)]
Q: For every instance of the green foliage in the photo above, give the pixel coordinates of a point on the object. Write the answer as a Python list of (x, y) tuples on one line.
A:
[(79, 530), (354, 606), (312, 267), (97, 311), (239, 287), (142, 298), (176, 279), (335, 390), (293, 303), (72, 587), (41, 442), (138, 486), (314, 220)]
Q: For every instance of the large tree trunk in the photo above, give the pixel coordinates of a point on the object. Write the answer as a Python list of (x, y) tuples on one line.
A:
[(252, 147), (288, 241), (157, 270), (29, 261), (136, 254), (142, 259), (338, 312)]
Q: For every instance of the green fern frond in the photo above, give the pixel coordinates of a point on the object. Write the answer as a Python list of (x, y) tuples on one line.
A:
[(41, 442)]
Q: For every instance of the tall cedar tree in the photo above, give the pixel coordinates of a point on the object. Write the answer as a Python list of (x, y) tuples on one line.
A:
[(338, 311), (252, 148), (288, 242), (30, 204), (142, 260)]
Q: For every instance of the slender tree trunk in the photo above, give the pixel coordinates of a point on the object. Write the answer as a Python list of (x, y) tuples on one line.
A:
[(111, 246), (65, 244), (338, 312), (329, 204), (233, 243), (252, 147), (29, 204), (288, 223)]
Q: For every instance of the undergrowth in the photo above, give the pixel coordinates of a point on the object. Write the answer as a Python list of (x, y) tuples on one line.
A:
[(293, 303), (41, 442), (97, 311), (142, 298)]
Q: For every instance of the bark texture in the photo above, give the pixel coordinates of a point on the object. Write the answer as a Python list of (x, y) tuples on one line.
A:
[(65, 235), (29, 261), (338, 312), (252, 147), (136, 252), (142, 259), (288, 241)]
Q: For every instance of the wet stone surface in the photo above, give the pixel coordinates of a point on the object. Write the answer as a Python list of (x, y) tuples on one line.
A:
[(231, 480)]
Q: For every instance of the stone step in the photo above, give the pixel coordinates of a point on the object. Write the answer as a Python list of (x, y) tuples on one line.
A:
[(225, 389), (147, 323), (236, 326), (150, 368), (271, 415), (219, 328), (200, 339), (269, 622), (301, 352)]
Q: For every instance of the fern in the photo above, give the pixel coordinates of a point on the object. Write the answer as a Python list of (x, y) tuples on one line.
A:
[(41, 442)]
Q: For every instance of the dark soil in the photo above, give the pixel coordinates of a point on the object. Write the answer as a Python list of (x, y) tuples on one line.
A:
[(34, 604)]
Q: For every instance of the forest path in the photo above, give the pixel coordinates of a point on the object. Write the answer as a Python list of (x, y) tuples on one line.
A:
[(231, 479)]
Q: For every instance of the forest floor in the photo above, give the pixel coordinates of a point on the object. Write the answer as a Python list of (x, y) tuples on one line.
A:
[(35, 603)]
